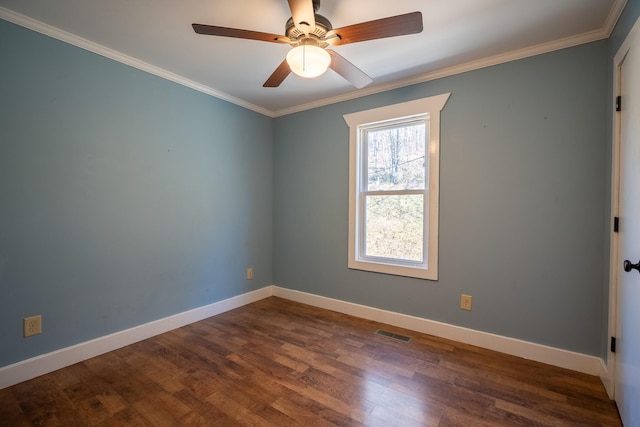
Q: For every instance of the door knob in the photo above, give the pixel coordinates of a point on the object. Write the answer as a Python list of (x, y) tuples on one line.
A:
[(628, 266)]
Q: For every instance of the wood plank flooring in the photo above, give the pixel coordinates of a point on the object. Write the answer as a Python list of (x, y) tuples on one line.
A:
[(280, 363)]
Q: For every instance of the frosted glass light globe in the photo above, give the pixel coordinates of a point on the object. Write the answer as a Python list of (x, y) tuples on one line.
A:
[(308, 60)]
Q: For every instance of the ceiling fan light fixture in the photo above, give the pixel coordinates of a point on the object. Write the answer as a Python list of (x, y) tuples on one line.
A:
[(308, 60)]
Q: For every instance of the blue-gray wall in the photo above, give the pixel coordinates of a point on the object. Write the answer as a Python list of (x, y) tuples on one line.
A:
[(124, 198), (522, 189)]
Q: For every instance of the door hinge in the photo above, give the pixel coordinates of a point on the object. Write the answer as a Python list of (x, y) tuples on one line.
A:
[(616, 224), (613, 345), (618, 103)]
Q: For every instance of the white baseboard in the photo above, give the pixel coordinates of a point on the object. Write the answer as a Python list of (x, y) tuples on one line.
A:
[(39, 365), (606, 376), (49, 362), (541, 353)]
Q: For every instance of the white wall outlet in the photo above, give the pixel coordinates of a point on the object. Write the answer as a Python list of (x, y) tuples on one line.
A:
[(250, 273), (32, 325), (465, 302)]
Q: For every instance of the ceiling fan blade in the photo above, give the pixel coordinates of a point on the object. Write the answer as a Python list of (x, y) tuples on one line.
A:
[(278, 75), (346, 69), (212, 30), (303, 14), (400, 25)]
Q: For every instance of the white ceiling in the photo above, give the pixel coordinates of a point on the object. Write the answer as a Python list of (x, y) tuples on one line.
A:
[(458, 35)]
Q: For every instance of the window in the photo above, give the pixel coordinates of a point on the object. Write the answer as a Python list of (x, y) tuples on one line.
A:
[(393, 188)]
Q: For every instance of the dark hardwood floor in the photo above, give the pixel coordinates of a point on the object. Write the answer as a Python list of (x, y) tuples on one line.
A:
[(280, 363)]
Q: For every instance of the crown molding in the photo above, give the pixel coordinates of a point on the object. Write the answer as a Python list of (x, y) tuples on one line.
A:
[(40, 27), (614, 15), (457, 69), (72, 39)]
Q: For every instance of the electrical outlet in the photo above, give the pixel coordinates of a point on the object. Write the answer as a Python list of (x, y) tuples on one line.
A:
[(250, 273), (465, 302), (32, 325)]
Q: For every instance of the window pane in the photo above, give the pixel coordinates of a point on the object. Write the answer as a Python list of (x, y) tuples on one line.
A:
[(396, 158), (394, 227)]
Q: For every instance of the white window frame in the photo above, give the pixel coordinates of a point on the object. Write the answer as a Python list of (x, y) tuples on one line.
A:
[(426, 107)]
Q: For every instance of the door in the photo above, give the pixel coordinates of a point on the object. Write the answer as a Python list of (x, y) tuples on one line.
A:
[(627, 370)]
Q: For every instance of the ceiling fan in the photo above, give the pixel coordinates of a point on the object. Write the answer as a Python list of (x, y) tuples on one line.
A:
[(310, 34)]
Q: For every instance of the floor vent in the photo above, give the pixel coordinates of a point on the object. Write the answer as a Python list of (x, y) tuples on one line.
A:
[(393, 335)]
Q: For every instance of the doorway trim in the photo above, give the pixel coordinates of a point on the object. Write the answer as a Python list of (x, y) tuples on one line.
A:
[(608, 376)]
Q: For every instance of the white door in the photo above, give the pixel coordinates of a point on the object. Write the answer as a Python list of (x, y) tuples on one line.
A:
[(627, 376)]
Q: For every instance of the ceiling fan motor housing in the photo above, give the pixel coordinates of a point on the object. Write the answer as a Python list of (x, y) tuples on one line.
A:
[(323, 26)]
